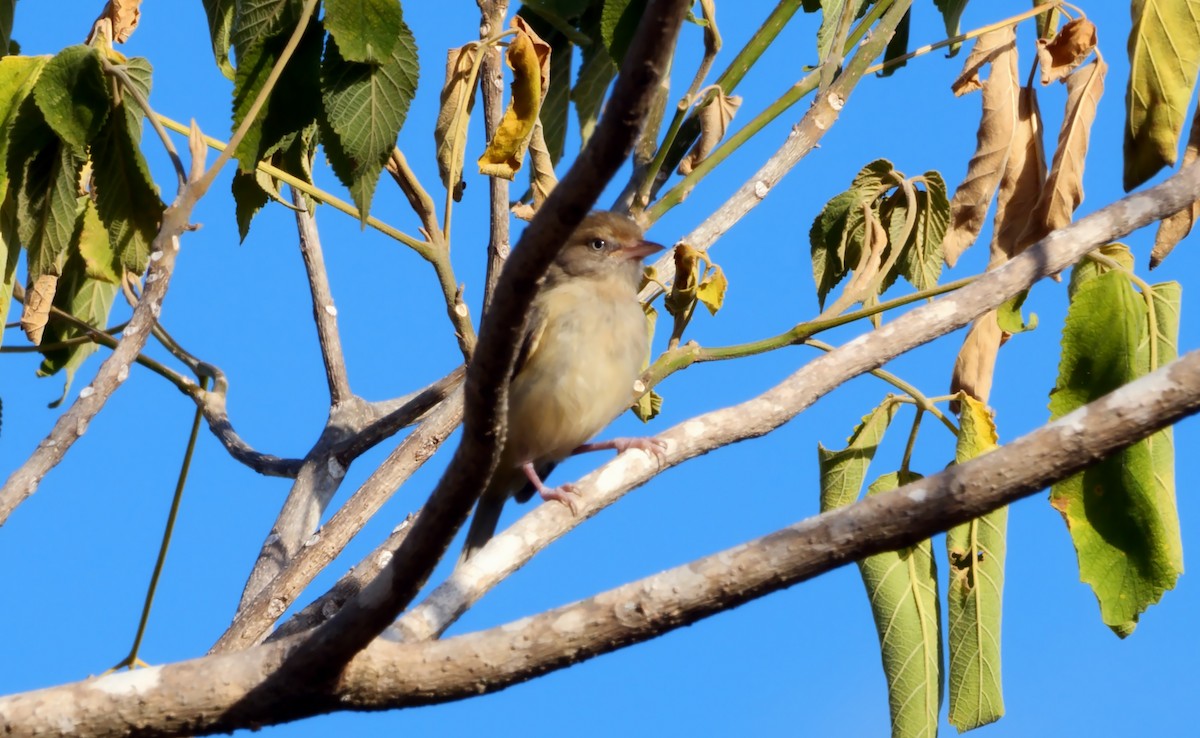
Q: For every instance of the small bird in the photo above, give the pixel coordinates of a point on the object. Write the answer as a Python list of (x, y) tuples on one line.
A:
[(583, 348)]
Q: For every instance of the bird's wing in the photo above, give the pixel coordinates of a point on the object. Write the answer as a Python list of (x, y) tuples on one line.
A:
[(533, 336)]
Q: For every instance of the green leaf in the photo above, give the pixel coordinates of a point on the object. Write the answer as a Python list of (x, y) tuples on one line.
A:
[(365, 30), (365, 106), (248, 198), (220, 28), (1120, 512), (6, 25), (126, 196), (902, 587), (838, 231), (91, 240), (976, 552), (898, 46), (595, 73), (85, 298), (921, 259), (18, 74), (618, 21), (294, 105), (10, 249), (1009, 317), (952, 11), (1164, 56), (45, 179), (843, 472), (257, 20), (73, 94)]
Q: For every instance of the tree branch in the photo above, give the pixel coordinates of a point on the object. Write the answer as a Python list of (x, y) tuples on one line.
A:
[(324, 311), (221, 693), (491, 84)]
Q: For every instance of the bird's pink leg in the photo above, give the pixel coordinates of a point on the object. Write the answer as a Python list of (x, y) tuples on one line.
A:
[(565, 494), (652, 446)]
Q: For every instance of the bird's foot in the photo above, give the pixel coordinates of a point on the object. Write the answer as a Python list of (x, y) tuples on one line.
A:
[(652, 446), (566, 493)]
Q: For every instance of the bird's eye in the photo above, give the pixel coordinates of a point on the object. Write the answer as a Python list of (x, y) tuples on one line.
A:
[(597, 244)]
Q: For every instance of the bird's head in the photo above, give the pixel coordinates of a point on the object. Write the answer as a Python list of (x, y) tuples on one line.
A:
[(605, 244)]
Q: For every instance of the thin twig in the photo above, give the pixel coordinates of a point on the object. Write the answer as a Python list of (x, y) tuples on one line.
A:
[(324, 310)]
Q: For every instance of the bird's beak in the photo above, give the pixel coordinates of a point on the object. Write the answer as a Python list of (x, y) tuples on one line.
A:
[(640, 250)]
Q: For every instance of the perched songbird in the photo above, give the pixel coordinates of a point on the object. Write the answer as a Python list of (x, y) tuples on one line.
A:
[(584, 347)]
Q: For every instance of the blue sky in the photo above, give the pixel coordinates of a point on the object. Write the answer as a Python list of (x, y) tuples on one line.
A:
[(803, 661)]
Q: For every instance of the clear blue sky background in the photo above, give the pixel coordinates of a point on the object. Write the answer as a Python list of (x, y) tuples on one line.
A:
[(77, 556)]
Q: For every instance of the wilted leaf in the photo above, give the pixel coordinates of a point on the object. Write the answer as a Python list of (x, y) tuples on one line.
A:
[(843, 472), (898, 46), (1047, 20), (529, 58), (1120, 512), (365, 30), (1063, 190), (711, 292), (839, 231), (556, 103), (1174, 228), (124, 16), (902, 588), (1060, 56), (38, 299), (1164, 55), (976, 552), (1021, 184), (541, 174), (921, 257), (220, 29), (1009, 316), (994, 138), (365, 105), (952, 11), (680, 302), (457, 101), (714, 122), (73, 94)]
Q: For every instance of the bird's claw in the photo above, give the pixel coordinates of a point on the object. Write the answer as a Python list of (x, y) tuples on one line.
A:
[(654, 447), (566, 494)]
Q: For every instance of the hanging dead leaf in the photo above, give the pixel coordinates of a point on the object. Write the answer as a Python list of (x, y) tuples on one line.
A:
[(542, 178), (1061, 55), (976, 363), (38, 299), (529, 58), (1174, 228), (121, 16), (454, 113), (714, 122), (994, 138), (711, 292), (1021, 185), (1063, 191)]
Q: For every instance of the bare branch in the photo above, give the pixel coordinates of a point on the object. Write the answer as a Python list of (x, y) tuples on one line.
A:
[(324, 311), (491, 83), (222, 693)]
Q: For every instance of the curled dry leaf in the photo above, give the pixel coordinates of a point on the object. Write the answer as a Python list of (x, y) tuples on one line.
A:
[(1175, 228), (543, 178), (38, 299), (1063, 191), (454, 113), (1021, 184), (122, 16), (976, 363), (529, 58), (994, 138), (1061, 55), (714, 122)]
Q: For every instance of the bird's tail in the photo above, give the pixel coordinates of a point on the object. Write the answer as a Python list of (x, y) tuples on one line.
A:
[(483, 524)]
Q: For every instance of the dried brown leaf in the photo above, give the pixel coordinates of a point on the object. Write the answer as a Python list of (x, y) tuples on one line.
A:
[(454, 113), (976, 363), (1061, 55), (38, 299), (1063, 191), (121, 16), (1021, 185), (994, 138), (542, 178), (1174, 228), (714, 122), (529, 57)]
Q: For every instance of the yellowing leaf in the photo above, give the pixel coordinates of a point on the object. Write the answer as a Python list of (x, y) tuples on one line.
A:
[(714, 122), (1164, 55), (457, 100), (711, 292), (1060, 56), (976, 552), (529, 57), (1063, 190), (98, 257), (1174, 228), (542, 178), (971, 200)]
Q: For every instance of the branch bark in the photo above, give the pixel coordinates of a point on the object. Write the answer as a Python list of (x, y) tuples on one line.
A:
[(221, 693), (324, 311)]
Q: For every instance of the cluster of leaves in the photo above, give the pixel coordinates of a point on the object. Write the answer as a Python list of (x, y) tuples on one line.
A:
[(1121, 513), (347, 86), (78, 197)]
